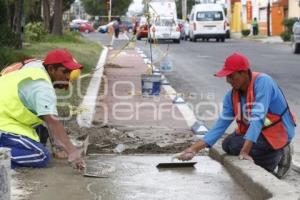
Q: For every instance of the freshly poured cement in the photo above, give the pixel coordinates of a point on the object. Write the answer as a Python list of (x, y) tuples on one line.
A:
[(136, 177)]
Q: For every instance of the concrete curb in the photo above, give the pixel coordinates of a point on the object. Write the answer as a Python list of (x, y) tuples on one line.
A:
[(85, 118), (257, 182), (5, 174), (183, 108), (296, 165)]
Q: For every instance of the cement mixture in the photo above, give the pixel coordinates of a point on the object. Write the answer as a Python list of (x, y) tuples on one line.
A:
[(108, 138)]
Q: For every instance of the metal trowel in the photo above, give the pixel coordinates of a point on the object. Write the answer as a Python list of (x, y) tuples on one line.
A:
[(176, 164)]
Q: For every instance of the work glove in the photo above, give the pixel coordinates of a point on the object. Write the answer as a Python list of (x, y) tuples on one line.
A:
[(76, 160), (187, 154)]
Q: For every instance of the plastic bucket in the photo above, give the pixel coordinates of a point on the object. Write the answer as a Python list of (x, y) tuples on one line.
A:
[(166, 65), (151, 84)]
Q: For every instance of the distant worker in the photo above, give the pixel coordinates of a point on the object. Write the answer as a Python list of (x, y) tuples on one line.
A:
[(117, 26), (265, 124), (254, 26), (28, 100)]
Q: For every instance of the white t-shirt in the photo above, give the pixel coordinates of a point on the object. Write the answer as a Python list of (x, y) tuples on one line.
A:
[(38, 96)]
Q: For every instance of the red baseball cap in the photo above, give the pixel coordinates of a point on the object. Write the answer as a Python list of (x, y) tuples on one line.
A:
[(62, 56), (233, 63)]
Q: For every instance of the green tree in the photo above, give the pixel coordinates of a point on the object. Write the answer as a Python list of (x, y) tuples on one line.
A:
[(100, 7), (190, 4)]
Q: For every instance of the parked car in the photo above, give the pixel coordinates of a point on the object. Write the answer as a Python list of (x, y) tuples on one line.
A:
[(142, 30), (76, 23), (127, 25), (74, 27), (296, 37), (104, 28), (86, 28), (165, 29)]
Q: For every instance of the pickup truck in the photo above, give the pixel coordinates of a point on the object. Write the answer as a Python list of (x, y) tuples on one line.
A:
[(296, 37)]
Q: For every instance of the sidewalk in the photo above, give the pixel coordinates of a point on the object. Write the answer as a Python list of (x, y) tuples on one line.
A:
[(260, 38)]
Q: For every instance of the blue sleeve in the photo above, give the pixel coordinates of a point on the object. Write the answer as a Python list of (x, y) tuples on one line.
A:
[(222, 123), (263, 91)]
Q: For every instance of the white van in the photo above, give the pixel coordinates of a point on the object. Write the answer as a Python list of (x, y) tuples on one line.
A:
[(207, 21)]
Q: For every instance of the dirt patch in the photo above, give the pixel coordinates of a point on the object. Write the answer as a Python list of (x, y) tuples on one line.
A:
[(110, 138), (112, 65)]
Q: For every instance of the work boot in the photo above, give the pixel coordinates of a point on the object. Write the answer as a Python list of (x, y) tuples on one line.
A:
[(284, 164)]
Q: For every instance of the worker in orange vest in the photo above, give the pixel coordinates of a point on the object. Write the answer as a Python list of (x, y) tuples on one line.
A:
[(265, 124)]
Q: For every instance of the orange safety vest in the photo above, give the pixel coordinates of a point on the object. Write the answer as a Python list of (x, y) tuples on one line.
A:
[(16, 66), (273, 129)]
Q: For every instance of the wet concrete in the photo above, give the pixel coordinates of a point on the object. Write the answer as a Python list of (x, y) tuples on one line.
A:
[(136, 177)]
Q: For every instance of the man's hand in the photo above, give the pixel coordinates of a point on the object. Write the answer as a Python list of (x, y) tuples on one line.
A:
[(76, 160), (187, 154), (244, 153), (245, 156), (60, 155)]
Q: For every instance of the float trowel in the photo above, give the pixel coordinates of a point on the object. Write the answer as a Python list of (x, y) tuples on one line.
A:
[(176, 164)]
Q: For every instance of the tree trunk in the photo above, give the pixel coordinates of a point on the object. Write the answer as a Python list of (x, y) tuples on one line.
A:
[(18, 28), (57, 21), (46, 15)]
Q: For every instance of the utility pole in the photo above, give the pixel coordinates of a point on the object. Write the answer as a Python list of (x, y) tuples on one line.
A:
[(268, 18), (109, 6), (184, 9)]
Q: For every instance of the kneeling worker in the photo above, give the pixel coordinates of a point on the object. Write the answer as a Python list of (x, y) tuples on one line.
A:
[(265, 124), (27, 100)]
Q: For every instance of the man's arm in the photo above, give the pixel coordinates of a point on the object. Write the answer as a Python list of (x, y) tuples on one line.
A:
[(56, 129), (213, 134)]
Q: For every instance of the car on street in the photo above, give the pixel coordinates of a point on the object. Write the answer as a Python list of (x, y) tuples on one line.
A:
[(208, 21), (296, 37), (165, 28), (86, 28), (142, 29), (104, 28), (127, 25)]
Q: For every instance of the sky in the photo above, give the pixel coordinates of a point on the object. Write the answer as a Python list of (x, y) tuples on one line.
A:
[(136, 6)]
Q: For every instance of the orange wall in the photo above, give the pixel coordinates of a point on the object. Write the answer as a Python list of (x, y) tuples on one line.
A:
[(277, 14)]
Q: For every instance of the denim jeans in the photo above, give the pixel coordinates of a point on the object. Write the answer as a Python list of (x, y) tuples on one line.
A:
[(262, 152)]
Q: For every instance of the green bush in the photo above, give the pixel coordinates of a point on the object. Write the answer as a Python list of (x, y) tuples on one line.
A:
[(9, 56), (285, 36), (246, 32), (34, 31), (288, 26), (7, 37)]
